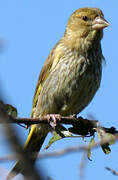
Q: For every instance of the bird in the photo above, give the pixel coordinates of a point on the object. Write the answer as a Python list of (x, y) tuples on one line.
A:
[(70, 76)]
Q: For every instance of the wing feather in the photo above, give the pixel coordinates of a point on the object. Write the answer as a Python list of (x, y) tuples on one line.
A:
[(49, 64)]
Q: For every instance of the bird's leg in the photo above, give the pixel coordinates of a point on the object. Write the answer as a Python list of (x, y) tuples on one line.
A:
[(52, 119)]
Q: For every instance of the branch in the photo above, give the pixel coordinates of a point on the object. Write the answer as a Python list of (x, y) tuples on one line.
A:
[(29, 170), (44, 120), (80, 125), (65, 151)]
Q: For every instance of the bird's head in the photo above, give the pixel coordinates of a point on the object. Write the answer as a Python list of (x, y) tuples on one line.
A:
[(86, 23)]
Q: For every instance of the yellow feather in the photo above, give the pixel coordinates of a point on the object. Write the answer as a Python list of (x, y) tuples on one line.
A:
[(36, 96), (32, 130)]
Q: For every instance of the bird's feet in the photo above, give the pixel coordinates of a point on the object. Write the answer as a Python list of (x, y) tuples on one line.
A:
[(52, 119)]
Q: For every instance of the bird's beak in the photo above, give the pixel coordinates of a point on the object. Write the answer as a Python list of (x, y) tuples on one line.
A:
[(99, 23)]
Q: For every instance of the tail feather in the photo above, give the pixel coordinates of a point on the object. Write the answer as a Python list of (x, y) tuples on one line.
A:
[(16, 170), (32, 145)]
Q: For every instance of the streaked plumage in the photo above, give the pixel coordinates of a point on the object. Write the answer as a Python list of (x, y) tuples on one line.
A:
[(71, 74)]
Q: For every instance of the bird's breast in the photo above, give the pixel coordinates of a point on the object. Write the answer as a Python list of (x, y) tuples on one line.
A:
[(70, 86), (81, 83)]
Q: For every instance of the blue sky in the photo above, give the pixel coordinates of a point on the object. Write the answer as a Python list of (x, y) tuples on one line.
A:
[(29, 30)]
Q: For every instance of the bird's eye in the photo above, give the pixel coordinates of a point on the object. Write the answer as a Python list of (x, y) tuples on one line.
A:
[(85, 18)]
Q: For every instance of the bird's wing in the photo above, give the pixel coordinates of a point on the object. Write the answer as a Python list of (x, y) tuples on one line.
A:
[(49, 64)]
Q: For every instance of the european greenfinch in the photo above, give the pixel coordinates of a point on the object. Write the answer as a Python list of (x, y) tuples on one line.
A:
[(70, 77)]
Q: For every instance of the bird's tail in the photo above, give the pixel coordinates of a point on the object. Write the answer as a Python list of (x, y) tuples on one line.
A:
[(32, 145)]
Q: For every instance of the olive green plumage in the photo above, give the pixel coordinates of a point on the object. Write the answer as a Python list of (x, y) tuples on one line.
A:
[(71, 74)]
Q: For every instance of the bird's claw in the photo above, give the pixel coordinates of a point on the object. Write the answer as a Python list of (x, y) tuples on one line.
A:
[(27, 126), (52, 119)]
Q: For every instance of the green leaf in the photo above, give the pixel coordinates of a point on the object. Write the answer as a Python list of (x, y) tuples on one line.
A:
[(102, 135), (59, 133), (91, 143), (106, 149), (10, 110), (111, 137)]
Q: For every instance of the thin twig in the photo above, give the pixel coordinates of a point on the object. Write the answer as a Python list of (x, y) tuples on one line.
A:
[(43, 120), (112, 171), (85, 126), (74, 149), (82, 165), (65, 151)]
